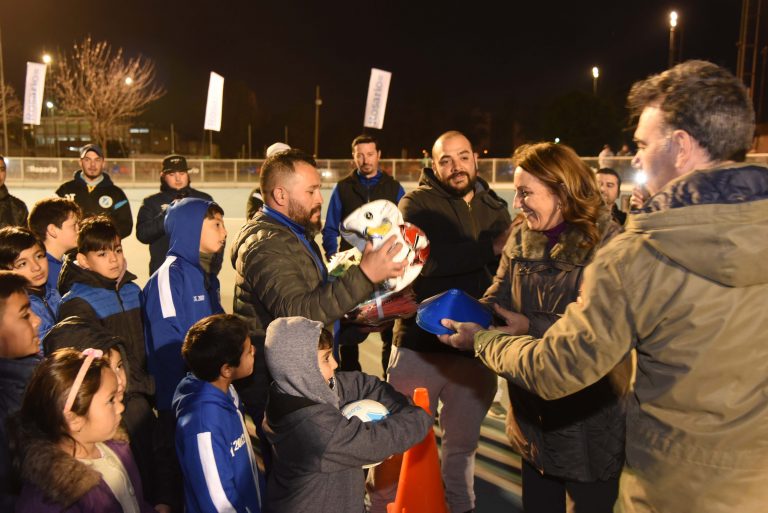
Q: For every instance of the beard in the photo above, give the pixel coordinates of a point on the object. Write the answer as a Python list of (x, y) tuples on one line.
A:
[(460, 192), (303, 217)]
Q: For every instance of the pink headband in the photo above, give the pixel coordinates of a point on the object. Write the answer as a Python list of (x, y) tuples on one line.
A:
[(90, 355)]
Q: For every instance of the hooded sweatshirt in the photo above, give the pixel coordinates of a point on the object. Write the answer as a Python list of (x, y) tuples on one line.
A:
[(105, 198), (318, 453), (177, 295), (214, 450), (687, 286)]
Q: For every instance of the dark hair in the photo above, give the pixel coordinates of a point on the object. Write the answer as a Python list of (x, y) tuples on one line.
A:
[(570, 179), (214, 209), (11, 283), (326, 340), (212, 342), (281, 165), (14, 240), (609, 171), (706, 101), (364, 139), (42, 410), (97, 233), (53, 211)]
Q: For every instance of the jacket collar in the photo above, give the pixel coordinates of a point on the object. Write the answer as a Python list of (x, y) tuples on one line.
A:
[(533, 244), (62, 478)]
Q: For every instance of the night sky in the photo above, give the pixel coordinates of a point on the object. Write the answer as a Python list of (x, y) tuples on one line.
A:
[(452, 62)]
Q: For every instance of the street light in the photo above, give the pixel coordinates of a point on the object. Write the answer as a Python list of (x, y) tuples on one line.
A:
[(51, 114), (128, 81), (47, 59), (672, 25), (595, 74)]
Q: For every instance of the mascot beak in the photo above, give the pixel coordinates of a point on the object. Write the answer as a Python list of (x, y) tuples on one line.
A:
[(378, 231)]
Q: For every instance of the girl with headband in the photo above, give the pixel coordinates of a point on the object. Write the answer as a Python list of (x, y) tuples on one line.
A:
[(65, 439)]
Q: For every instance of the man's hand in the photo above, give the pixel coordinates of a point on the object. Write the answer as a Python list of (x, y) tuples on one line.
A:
[(517, 324), (377, 264), (464, 338), (501, 240), (639, 196)]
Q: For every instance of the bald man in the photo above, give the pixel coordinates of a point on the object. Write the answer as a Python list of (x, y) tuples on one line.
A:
[(467, 225)]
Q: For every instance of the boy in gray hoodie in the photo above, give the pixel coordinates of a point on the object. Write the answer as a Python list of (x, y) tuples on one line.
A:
[(318, 454)]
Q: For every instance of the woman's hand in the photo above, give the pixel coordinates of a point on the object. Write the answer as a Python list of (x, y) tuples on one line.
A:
[(517, 324)]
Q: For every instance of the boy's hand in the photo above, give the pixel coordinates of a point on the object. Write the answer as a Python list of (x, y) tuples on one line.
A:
[(378, 264)]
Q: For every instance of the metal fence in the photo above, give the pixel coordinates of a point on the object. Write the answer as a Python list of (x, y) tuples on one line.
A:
[(31, 171)]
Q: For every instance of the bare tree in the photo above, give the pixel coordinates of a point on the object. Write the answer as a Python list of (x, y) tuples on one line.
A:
[(104, 86), (12, 104)]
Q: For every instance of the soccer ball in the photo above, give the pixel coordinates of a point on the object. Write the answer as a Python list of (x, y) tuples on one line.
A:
[(366, 410)]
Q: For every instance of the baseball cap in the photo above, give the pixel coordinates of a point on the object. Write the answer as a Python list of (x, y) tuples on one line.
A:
[(173, 163), (277, 148), (91, 147)]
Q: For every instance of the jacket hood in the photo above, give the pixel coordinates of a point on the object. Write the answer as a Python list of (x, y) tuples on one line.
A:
[(183, 224), (62, 478), (429, 181), (78, 177), (192, 393), (76, 333), (712, 222), (72, 273), (290, 350)]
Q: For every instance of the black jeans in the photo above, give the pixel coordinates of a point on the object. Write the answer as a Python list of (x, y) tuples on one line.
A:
[(546, 494)]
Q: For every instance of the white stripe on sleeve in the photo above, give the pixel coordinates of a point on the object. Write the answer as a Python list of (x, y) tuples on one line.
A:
[(211, 473), (164, 288)]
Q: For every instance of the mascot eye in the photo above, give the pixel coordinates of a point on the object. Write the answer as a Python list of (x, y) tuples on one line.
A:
[(368, 216)]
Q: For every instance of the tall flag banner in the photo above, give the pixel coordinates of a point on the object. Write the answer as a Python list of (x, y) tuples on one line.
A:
[(215, 101), (378, 90), (34, 92)]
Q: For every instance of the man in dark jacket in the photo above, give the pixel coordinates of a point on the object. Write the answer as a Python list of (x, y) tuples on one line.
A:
[(689, 277), (174, 185), (280, 271), (13, 211), (363, 185), (95, 193), (467, 225)]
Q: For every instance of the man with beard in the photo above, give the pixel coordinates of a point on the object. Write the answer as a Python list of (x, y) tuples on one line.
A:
[(686, 287), (365, 184), (280, 271), (95, 193), (467, 225), (174, 185)]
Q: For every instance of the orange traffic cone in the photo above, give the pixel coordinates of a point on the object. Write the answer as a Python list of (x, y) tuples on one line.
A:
[(420, 489)]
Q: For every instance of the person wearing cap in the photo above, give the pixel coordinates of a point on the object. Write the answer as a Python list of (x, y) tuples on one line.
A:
[(255, 199), (174, 185), (95, 192)]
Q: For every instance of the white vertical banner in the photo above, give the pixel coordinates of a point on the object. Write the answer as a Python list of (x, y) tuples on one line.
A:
[(378, 90), (34, 92), (215, 101)]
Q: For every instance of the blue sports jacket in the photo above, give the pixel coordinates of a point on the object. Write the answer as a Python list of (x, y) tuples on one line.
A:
[(177, 295), (214, 450)]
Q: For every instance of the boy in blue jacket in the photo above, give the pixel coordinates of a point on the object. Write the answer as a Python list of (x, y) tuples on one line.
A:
[(212, 443), (22, 252), (182, 291)]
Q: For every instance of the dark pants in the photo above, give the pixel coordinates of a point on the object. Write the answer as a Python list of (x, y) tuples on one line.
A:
[(168, 471), (546, 494), (139, 421)]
